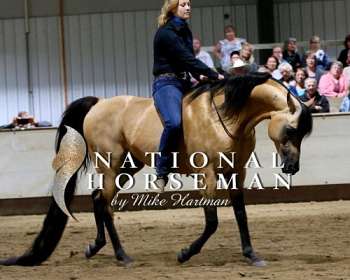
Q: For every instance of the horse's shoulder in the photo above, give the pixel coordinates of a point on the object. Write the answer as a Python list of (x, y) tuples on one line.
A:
[(273, 83)]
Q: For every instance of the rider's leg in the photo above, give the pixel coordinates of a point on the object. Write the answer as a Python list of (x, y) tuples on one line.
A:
[(168, 101)]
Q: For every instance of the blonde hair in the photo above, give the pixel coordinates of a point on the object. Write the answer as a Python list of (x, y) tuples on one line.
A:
[(249, 46), (285, 66), (315, 38), (167, 11)]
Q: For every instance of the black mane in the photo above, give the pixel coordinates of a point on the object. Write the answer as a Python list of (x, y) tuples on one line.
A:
[(211, 86), (237, 91), (305, 121)]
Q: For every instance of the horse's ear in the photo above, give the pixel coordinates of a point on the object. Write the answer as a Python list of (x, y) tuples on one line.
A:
[(290, 103)]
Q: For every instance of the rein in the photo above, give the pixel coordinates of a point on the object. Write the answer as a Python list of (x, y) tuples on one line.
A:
[(222, 123)]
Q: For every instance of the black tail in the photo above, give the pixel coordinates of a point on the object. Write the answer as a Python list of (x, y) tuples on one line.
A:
[(55, 221)]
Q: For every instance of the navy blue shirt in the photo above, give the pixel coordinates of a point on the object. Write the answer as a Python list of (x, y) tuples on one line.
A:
[(173, 51), (320, 100), (293, 59)]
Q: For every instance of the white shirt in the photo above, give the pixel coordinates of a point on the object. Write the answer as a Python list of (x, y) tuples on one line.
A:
[(346, 73), (205, 58)]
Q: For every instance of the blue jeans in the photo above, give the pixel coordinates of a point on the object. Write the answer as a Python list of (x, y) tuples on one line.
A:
[(167, 95)]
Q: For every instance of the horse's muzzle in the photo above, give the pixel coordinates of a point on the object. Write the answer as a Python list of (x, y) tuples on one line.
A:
[(290, 167)]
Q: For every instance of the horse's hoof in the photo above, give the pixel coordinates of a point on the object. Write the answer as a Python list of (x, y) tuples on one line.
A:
[(89, 252), (183, 255), (258, 263), (123, 258), (126, 261), (9, 261)]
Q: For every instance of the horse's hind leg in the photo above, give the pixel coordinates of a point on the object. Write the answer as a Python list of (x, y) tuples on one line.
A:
[(104, 212), (211, 224), (237, 200), (108, 218), (100, 240), (104, 217)]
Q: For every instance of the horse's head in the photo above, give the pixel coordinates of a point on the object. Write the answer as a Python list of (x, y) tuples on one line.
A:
[(287, 129)]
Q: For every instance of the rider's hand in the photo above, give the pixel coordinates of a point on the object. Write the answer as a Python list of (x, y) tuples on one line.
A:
[(221, 77), (203, 78)]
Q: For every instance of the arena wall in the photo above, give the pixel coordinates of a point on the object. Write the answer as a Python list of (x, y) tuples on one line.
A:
[(25, 168)]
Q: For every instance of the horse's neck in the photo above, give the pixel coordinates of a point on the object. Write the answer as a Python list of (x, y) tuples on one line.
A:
[(264, 101)]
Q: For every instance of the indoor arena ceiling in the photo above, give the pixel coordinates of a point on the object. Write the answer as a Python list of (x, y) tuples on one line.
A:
[(15, 8)]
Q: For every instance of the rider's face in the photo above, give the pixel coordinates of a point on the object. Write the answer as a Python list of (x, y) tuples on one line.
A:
[(183, 9)]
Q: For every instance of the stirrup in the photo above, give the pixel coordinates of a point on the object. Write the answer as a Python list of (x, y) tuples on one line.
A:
[(161, 182)]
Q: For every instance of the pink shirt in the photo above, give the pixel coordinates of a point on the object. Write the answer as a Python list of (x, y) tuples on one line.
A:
[(331, 87)]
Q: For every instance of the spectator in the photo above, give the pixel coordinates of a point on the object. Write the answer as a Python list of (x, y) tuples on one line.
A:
[(334, 83), (290, 53), (24, 120), (202, 55), (235, 55), (316, 102), (346, 70), (286, 71), (311, 69), (270, 65), (344, 53), (322, 59), (345, 104), (225, 47), (278, 53), (246, 55), (239, 68), (299, 88)]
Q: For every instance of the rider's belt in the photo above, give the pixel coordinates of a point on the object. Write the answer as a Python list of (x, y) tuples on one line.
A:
[(182, 75)]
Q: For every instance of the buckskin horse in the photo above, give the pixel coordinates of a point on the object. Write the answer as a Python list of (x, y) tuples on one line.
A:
[(217, 117)]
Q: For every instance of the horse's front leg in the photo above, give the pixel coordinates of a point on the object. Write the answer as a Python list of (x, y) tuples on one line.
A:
[(237, 200), (211, 222)]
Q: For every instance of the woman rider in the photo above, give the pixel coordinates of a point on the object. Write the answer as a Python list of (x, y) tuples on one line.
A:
[(173, 61)]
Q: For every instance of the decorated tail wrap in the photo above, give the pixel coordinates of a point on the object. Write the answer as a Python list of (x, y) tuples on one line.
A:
[(70, 157), (67, 162)]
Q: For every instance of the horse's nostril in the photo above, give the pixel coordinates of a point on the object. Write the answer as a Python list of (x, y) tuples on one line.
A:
[(290, 168)]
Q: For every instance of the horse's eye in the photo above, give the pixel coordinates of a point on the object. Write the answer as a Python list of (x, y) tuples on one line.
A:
[(284, 141), (290, 132)]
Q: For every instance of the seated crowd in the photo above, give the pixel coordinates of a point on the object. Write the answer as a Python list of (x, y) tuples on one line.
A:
[(313, 76)]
